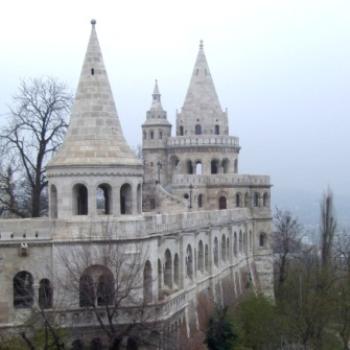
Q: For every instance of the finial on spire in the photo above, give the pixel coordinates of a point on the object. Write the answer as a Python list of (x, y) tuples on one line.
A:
[(201, 44), (93, 22), (156, 89)]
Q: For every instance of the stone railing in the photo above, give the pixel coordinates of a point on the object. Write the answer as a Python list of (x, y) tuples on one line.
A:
[(221, 179), (203, 140)]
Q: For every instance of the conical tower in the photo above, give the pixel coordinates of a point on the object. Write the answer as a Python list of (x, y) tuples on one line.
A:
[(95, 171), (201, 112)]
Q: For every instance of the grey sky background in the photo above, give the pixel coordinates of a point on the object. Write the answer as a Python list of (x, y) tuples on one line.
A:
[(282, 68)]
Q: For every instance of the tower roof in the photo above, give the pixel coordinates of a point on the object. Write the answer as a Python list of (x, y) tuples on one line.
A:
[(201, 98), (94, 136)]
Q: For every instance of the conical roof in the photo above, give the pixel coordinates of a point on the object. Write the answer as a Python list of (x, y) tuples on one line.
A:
[(94, 136), (201, 98)]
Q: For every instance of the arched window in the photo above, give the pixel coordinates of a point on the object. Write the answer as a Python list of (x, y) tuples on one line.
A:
[(217, 130), (262, 240), (189, 167), (125, 199), (198, 129), (214, 164), (199, 167), (189, 261), (168, 278), (151, 135), (246, 200), (23, 293), (223, 248), (159, 279), (96, 287), (147, 283), (228, 248), (222, 203), (200, 256), (45, 294), (235, 166), (139, 199), (181, 130), (104, 199), (256, 199), (206, 258), (53, 201), (266, 199), (225, 166), (80, 200), (200, 201), (238, 200), (216, 251), (235, 250), (176, 270)]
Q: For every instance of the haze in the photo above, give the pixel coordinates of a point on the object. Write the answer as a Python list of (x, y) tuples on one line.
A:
[(282, 68)]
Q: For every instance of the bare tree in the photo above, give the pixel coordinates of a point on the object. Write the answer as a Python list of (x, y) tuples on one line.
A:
[(36, 127), (286, 241), (328, 227)]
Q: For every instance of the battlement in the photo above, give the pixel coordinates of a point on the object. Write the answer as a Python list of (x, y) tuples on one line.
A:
[(204, 140), (221, 180)]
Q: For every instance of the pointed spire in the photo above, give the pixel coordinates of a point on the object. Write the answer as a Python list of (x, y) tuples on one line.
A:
[(156, 102), (201, 97), (94, 136)]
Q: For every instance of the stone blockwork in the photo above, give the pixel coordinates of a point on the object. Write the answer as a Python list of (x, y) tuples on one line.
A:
[(205, 229)]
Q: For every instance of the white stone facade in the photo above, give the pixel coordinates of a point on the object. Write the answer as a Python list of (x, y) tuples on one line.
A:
[(190, 245)]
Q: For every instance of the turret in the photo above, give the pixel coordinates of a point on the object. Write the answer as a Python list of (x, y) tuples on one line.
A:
[(155, 131), (94, 172), (201, 113)]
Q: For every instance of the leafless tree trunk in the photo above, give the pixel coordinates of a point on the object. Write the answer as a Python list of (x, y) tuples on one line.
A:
[(35, 129)]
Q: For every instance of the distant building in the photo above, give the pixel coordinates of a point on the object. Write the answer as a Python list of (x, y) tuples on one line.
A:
[(204, 227)]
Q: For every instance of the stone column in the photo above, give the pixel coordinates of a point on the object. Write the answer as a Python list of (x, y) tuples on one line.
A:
[(116, 200)]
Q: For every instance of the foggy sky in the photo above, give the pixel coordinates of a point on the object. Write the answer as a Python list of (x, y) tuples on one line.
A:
[(282, 68)]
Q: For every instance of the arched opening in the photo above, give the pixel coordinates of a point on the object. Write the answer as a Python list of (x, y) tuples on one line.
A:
[(139, 198), (246, 200), (214, 165), (198, 129), (223, 248), (53, 201), (168, 269), (189, 261), (262, 240), (80, 195), (240, 247), (96, 287), (125, 199), (227, 248), (200, 201), (174, 162), (216, 251), (238, 200), (45, 294), (235, 244), (189, 167), (147, 283), (199, 167), (151, 135), (181, 130), (200, 256), (235, 166), (256, 199), (222, 203), (103, 199), (266, 199), (225, 165), (23, 293), (176, 270), (206, 258), (159, 279), (217, 129)]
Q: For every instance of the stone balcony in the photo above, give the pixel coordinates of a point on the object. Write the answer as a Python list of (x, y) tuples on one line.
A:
[(204, 141), (221, 180)]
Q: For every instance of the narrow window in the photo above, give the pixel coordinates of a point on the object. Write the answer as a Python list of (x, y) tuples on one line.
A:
[(152, 135), (92, 71), (125, 199), (147, 282), (214, 166), (217, 130), (103, 199), (198, 129), (80, 205), (200, 201), (222, 203), (181, 130), (53, 201), (168, 269), (45, 294)]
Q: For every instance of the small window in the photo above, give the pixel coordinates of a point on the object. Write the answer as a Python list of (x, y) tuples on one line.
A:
[(151, 135), (217, 130), (181, 131), (92, 71), (200, 201), (198, 129)]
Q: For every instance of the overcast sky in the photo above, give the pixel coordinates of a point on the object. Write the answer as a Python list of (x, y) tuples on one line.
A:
[(282, 68)]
